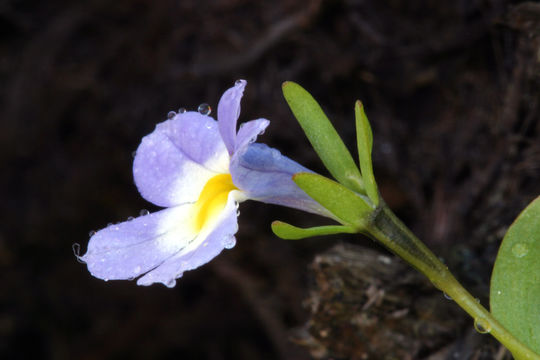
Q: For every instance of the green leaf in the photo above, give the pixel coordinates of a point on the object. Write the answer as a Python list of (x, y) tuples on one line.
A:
[(515, 283), (350, 208), (291, 232), (323, 137), (364, 139)]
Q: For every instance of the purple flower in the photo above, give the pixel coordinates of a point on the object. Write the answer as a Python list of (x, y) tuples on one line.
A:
[(199, 169)]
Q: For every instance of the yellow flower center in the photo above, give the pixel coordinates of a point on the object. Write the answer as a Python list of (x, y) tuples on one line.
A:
[(213, 199)]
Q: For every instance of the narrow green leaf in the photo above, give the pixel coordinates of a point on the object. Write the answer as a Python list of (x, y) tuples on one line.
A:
[(323, 137), (349, 207), (364, 139), (515, 282), (291, 232)]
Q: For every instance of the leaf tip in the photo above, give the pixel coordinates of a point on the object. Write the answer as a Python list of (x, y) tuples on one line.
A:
[(299, 176)]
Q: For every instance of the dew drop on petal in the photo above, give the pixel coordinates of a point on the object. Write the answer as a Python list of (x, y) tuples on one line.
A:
[(76, 249), (204, 109), (171, 114), (77, 252), (170, 283), (181, 110), (130, 218), (229, 242), (133, 154), (110, 224), (238, 82), (91, 233), (144, 212)]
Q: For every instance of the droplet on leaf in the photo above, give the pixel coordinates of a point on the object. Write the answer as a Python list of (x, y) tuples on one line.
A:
[(520, 250)]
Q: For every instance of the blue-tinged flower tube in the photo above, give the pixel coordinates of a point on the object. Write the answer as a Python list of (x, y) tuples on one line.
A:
[(199, 169)]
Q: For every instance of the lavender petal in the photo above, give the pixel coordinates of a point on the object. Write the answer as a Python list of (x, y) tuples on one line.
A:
[(174, 162)]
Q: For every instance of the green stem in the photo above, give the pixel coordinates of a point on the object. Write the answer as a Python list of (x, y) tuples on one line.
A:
[(385, 227)]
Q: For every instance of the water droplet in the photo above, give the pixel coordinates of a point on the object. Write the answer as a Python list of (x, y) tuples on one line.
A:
[(170, 283), (77, 252), (144, 212), (229, 242), (204, 109), (446, 296), (477, 300), (171, 114), (105, 279), (520, 250), (91, 233), (238, 82), (242, 125), (499, 292), (76, 249), (110, 224), (237, 213), (133, 154), (130, 218), (482, 325), (181, 110)]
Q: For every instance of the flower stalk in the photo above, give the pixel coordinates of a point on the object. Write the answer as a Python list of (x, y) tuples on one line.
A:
[(385, 227)]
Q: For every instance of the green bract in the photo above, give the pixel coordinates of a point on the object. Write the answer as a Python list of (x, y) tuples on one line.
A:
[(364, 139), (323, 137), (291, 232), (515, 283), (349, 207)]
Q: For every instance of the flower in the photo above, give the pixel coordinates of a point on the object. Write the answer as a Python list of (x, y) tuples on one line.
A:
[(199, 169)]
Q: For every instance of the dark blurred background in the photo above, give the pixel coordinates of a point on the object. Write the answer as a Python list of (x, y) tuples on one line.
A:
[(451, 88)]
